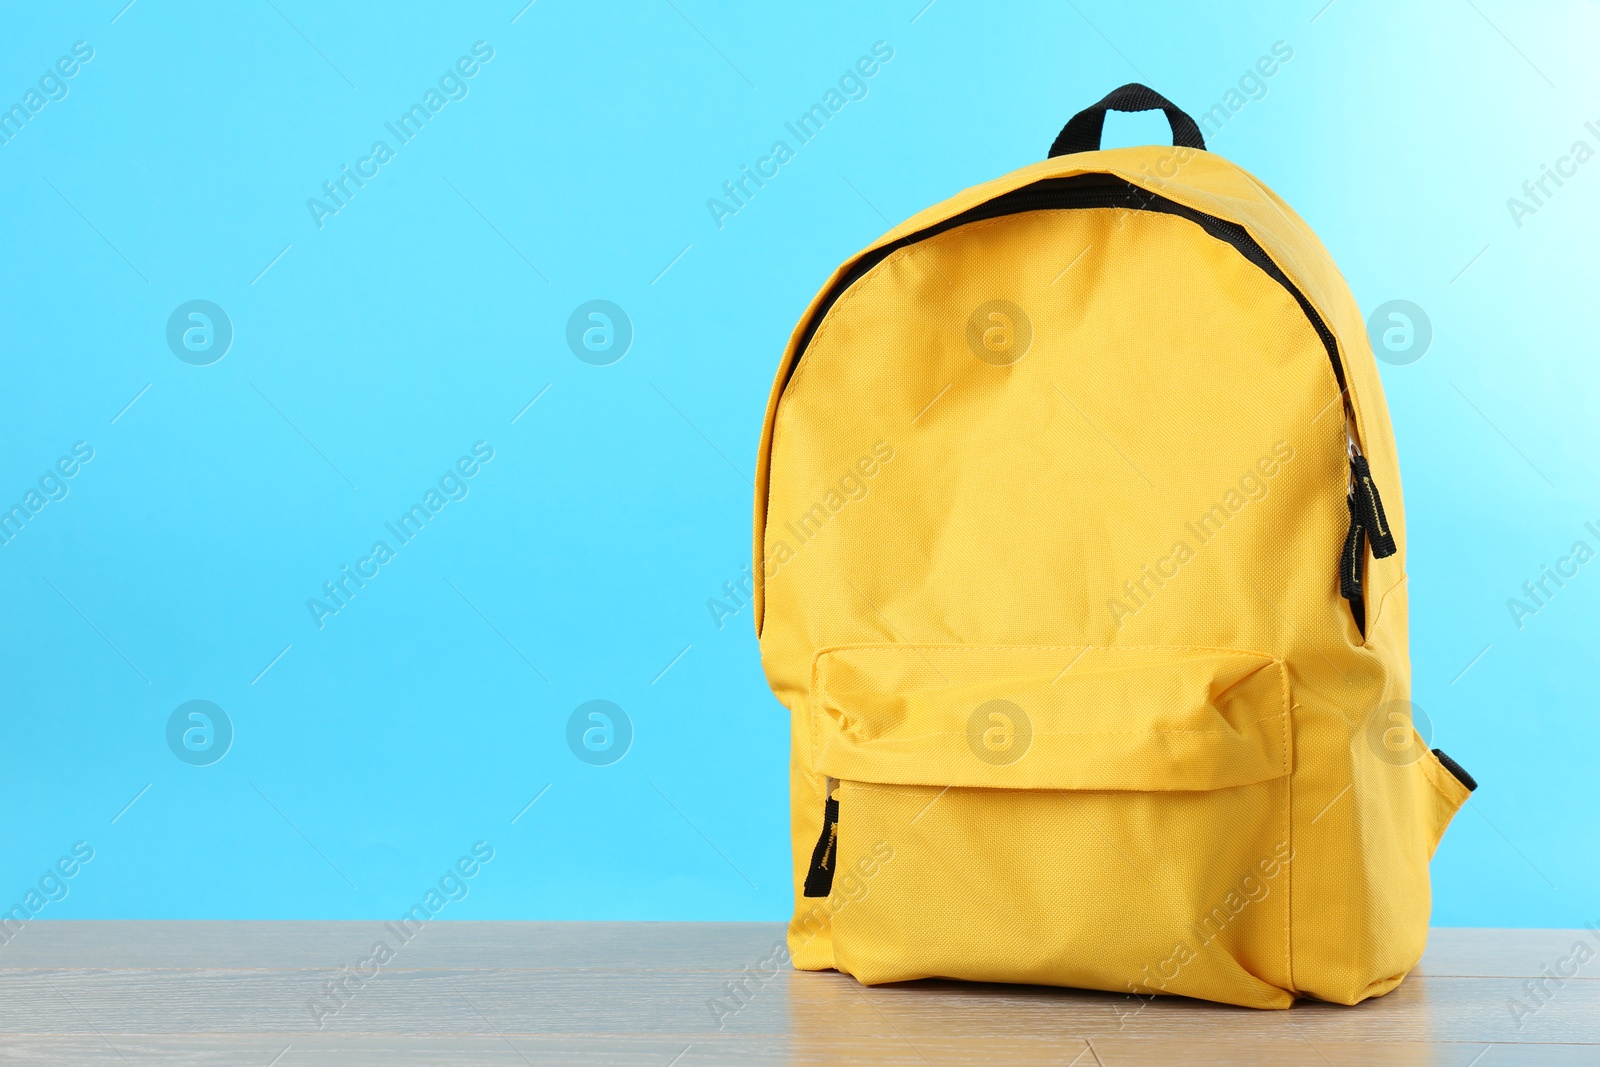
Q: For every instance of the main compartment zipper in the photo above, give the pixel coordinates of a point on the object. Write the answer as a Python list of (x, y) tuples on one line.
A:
[(1082, 191), (1368, 524)]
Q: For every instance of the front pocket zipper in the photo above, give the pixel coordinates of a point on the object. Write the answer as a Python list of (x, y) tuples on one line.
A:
[(819, 877)]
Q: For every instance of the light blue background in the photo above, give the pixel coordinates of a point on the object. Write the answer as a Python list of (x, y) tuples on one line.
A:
[(416, 322)]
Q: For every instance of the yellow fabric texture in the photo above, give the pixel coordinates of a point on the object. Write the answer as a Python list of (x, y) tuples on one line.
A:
[(1062, 631)]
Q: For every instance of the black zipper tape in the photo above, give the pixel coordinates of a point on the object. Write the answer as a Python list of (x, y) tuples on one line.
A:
[(1079, 192), (819, 879)]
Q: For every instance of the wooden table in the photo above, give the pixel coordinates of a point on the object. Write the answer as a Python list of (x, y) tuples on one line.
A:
[(493, 993)]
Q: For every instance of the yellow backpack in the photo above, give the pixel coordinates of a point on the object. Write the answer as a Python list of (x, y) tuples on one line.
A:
[(1073, 573)]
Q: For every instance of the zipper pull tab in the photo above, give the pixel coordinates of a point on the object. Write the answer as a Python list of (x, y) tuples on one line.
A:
[(1354, 555), (1370, 508), (1366, 505)]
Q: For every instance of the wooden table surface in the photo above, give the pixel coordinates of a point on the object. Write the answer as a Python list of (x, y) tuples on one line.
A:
[(493, 993)]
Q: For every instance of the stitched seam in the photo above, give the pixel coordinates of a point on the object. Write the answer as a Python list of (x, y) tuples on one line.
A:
[(1431, 775), (1042, 648), (1164, 731), (817, 703), (1372, 502), (856, 785), (1383, 601), (1288, 827), (1454, 805)]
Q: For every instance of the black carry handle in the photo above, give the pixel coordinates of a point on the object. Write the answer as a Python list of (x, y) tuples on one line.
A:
[(1082, 131)]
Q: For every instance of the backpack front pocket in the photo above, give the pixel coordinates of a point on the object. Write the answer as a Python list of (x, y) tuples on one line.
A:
[(1109, 818)]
